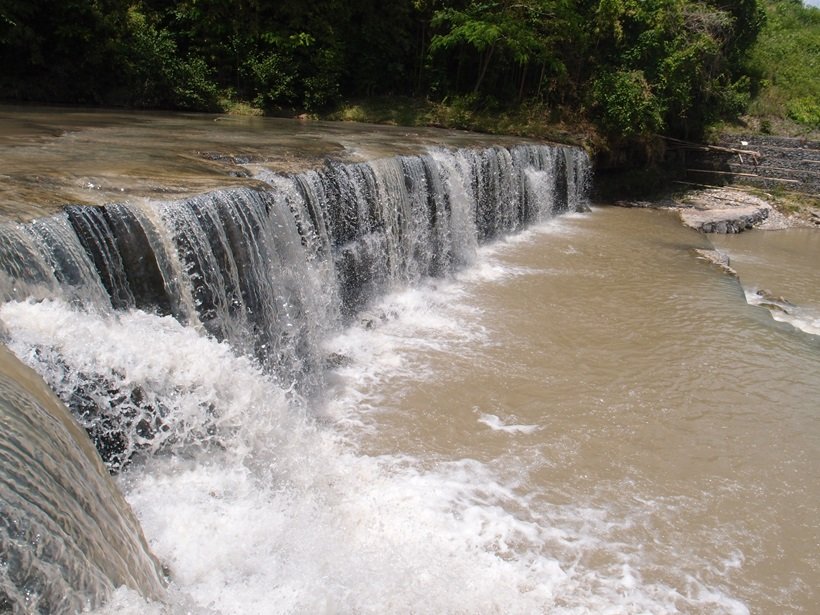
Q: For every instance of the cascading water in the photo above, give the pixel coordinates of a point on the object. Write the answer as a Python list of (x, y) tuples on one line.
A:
[(199, 327), (67, 536)]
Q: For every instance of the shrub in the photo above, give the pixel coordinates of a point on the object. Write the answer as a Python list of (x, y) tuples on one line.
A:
[(804, 111), (625, 104), (155, 76)]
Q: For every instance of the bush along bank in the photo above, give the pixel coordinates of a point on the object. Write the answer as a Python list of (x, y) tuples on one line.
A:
[(631, 68)]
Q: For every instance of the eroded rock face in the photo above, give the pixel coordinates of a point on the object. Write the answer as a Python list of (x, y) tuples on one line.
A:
[(722, 210), (731, 220)]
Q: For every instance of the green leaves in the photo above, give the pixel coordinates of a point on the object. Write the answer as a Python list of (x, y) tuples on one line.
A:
[(805, 111), (505, 34), (786, 63), (626, 103), (634, 66), (479, 27), (686, 55)]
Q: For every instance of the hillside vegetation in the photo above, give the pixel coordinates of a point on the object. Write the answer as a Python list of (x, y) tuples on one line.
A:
[(619, 69), (786, 61), (631, 67)]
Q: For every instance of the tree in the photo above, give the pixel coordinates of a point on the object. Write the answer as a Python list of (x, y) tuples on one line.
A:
[(520, 37), (678, 57), (63, 51)]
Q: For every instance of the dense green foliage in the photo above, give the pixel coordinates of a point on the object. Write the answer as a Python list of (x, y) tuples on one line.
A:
[(633, 66), (786, 59)]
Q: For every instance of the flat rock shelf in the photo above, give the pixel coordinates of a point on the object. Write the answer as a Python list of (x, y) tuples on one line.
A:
[(723, 211)]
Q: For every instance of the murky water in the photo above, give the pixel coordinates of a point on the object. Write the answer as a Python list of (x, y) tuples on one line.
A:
[(584, 417), (779, 270), (53, 157), (589, 419), (68, 557), (661, 434)]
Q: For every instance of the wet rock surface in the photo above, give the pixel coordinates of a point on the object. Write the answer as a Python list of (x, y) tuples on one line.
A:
[(731, 210), (53, 157), (717, 258), (723, 211)]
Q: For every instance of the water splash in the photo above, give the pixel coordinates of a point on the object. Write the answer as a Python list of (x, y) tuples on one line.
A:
[(189, 338), (274, 273)]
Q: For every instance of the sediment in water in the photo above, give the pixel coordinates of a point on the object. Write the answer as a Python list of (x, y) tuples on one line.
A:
[(269, 273), (68, 536)]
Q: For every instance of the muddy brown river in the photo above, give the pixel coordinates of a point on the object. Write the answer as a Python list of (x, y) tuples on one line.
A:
[(579, 416), (661, 433)]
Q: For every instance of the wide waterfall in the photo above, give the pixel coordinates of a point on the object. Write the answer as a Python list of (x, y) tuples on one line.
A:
[(170, 329)]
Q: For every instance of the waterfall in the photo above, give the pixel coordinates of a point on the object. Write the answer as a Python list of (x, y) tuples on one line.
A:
[(265, 275), (68, 537), (271, 271)]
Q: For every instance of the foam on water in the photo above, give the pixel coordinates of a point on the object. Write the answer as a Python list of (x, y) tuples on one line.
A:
[(579, 555), (778, 271), (275, 512), (391, 338), (802, 318), (496, 424), (260, 501)]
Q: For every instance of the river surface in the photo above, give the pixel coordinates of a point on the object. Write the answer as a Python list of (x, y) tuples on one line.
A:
[(657, 438), (779, 270), (586, 417), (590, 419), (53, 157)]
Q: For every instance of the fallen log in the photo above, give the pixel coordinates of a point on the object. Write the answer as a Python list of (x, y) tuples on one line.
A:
[(713, 148)]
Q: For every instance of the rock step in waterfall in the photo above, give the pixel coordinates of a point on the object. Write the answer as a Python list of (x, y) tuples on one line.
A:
[(272, 272), (67, 536), (269, 273)]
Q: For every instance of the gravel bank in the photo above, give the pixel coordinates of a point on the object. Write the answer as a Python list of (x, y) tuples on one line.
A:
[(776, 162)]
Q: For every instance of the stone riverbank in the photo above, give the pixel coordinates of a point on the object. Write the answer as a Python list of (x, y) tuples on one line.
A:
[(733, 210)]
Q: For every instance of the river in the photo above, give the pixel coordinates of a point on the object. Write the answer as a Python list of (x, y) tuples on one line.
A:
[(653, 435), (581, 417)]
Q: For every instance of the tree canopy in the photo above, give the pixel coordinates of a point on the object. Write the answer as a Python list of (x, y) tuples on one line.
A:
[(633, 66)]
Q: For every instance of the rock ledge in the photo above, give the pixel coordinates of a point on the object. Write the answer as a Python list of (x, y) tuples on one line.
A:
[(721, 210), (729, 210)]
